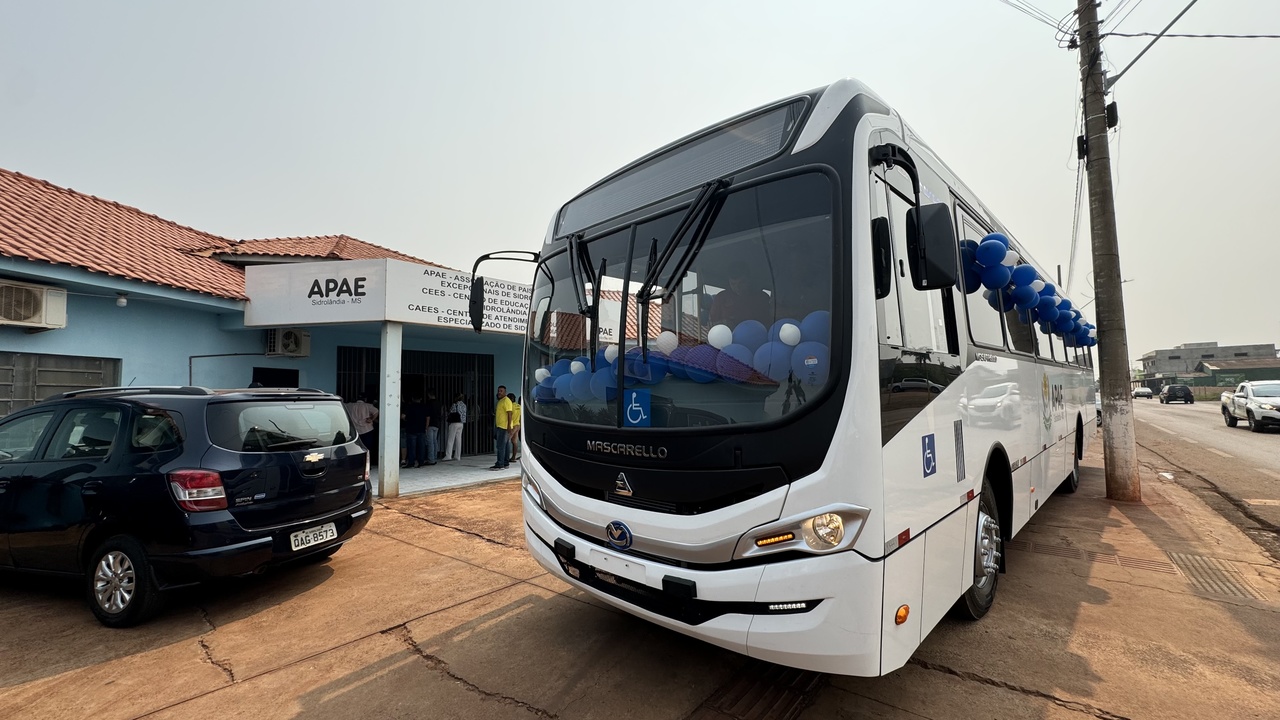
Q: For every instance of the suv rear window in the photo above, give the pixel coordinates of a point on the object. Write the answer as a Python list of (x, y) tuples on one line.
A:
[(278, 426)]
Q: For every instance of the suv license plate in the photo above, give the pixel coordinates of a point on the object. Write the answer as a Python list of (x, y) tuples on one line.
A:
[(312, 536)]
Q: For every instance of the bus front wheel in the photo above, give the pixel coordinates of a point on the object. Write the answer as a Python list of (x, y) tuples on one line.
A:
[(988, 548)]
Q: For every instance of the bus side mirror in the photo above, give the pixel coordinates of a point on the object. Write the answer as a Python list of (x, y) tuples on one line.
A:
[(476, 303), (931, 246), (882, 251)]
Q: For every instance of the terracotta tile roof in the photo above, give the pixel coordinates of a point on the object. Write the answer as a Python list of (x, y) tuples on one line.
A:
[(335, 247), (43, 222)]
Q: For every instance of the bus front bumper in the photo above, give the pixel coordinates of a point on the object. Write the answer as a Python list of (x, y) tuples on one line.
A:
[(750, 610)]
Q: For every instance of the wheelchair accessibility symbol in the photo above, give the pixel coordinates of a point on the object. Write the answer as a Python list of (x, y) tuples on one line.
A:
[(636, 413), (929, 455)]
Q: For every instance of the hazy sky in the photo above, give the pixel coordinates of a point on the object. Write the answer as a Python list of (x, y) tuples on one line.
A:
[(447, 130)]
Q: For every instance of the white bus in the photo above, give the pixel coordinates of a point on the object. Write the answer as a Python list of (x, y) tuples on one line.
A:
[(826, 429)]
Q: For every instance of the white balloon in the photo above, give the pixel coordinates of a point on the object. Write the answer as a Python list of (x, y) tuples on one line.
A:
[(666, 341), (1093, 333), (1011, 258), (1057, 300), (789, 334), (610, 353), (720, 337), (541, 374), (1037, 285), (577, 366)]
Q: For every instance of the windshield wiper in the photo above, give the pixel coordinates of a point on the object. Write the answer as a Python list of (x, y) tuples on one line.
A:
[(697, 212)]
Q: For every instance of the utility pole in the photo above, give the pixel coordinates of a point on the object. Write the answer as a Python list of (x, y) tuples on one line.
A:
[(1113, 343)]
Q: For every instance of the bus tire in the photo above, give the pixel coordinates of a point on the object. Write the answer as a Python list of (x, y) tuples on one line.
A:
[(987, 552), (1072, 482)]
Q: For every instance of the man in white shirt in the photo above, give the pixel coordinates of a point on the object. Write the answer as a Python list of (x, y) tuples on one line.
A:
[(364, 414)]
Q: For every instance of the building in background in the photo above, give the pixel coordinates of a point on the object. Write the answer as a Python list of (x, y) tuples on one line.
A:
[(1207, 364), (94, 293)]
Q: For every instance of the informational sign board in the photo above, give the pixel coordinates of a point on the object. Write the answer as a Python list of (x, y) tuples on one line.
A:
[(376, 290)]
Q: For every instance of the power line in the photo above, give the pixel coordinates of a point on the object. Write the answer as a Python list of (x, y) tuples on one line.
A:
[(1120, 22), (1113, 80), (1031, 11), (1075, 228), (1192, 35)]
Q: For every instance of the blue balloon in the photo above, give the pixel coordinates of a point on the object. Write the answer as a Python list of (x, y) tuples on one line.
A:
[(994, 301), (971, 245), (816, 327), (1046, 328), (751, 333), (1024, 316), (811, 363), (563, 386), (1064, 306), (584, 360), (1024, 275), (777, 327), (601, 360), (649, 373), (773, 360), (970, 280), (995, 277), (990, 253), (604, 383), (700, 363), (1063, 324), (561, 367), (968, 256), (1048, 290), (734, 363), (542, 393), (1024, 298), (580, 385), (998, 237)]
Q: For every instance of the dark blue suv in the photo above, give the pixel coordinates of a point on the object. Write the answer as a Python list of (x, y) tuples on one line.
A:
[(139, 490)]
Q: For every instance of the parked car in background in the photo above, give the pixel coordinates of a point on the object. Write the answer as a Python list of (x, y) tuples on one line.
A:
[(916, 384), (1257, 403), (1097, 406), (1172, 393), (137, 490), (1143, 392)]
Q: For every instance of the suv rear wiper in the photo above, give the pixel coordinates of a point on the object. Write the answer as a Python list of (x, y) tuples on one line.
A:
[(697, 212)]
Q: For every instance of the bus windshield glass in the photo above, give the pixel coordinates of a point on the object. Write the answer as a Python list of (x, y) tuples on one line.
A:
[(743, 337)]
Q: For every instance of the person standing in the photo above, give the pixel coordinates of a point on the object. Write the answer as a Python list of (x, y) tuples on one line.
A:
[(363, 416), (435, 427), (515, 426), (454, 422), (415, 428), (502, 429)]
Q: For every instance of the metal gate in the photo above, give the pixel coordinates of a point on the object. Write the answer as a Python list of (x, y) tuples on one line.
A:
[(446, 374), (27, 378)]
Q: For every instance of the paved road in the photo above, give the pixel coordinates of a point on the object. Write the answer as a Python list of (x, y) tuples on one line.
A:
[(1242, 467)]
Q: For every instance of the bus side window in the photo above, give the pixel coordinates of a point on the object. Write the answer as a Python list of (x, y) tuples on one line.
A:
[(888, 317), (923, 318), (984, 323), (1022, 336)]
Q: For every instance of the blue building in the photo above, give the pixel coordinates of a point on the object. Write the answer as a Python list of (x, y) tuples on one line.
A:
[(94, 293)]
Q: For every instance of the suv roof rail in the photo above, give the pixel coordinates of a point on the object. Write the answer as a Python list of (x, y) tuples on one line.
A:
[(135, 390), (288, 390)]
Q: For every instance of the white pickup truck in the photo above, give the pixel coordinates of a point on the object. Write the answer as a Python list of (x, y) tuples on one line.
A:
[(1257, 403)]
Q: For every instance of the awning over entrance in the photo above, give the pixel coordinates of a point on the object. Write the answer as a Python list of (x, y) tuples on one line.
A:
[(392, 293)]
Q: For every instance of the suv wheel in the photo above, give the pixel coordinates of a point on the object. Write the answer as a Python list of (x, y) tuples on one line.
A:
[(1254, 425), (121, 588)]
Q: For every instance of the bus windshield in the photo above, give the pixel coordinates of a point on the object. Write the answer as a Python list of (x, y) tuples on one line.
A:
[(743, 337)]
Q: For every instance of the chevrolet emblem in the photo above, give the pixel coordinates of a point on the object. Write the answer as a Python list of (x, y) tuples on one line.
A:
[(313, 457)]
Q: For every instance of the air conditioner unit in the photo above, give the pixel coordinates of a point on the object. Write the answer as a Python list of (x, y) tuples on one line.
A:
[(32, 306), (288, 342)]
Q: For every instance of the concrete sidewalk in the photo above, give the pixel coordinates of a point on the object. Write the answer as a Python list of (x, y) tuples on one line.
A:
[(1158, 609)]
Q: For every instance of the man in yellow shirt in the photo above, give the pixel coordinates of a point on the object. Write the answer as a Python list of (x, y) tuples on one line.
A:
[(503, 422), (515, 426)]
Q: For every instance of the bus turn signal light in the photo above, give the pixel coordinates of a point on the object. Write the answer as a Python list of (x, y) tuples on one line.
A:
[(901, 616), (774, 539)]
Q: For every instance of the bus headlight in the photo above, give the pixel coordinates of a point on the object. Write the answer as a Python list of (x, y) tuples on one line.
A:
[(823, 532), (531, 486), (827, 529)]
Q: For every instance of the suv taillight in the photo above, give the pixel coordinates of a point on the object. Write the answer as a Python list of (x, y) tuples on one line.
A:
[(198, 490), (366, 466)]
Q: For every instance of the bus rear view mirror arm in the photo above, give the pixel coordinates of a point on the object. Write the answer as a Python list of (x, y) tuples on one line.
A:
[(475, 302)]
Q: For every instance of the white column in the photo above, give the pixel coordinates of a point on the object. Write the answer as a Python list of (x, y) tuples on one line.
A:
[(389, 411)]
